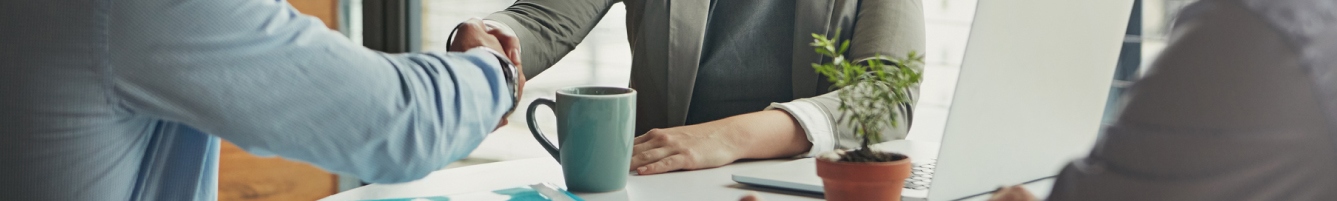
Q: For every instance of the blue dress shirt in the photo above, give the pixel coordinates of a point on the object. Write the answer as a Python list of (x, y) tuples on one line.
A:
[(127, 100)]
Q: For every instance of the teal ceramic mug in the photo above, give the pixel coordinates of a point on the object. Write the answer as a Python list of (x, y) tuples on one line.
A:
[(595, 128)]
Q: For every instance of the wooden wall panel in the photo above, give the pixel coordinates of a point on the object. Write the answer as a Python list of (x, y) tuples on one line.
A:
[(327, 10), (242, 176), (246, 177)]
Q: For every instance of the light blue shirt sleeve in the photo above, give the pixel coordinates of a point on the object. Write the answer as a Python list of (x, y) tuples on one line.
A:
[(275, 82)]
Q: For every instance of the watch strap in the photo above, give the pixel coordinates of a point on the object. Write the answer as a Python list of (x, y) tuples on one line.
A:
[(511, 75)]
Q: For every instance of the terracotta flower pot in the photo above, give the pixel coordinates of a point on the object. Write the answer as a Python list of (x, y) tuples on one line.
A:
[(844, 181)]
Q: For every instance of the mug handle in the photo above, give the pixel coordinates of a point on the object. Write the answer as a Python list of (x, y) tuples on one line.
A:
[(534, 126)]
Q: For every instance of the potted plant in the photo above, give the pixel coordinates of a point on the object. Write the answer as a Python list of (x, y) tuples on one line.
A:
[(869, 94)]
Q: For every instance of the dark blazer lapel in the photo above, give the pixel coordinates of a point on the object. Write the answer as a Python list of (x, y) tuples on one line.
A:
[(821, 17), (648, 24), (809, 17), (687, 26)]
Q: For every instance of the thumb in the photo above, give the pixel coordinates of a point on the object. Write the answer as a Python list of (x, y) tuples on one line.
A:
[(501, 124), (509, 43), (751, 196)]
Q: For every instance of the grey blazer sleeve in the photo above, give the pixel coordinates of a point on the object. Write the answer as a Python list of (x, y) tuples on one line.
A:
[(890, 28), (549, 29)]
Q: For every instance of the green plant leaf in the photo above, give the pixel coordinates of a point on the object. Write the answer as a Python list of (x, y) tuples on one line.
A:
[(869, 94), (822, 51), (844, 46)]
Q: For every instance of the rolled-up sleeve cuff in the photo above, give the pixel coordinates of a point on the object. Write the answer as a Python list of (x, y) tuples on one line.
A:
[(814, 122), (495, 77)]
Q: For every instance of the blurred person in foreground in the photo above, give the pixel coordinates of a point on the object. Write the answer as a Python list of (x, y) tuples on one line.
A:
[(127, 100), (1242, 105), (722, 80)]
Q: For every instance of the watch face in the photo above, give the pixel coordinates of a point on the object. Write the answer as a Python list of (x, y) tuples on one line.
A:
[(508, 70)]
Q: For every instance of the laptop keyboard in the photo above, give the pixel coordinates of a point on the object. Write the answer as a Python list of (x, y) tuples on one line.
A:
[(921, 175)]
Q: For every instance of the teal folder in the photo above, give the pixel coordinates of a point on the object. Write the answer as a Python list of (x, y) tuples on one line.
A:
[(535, 192)]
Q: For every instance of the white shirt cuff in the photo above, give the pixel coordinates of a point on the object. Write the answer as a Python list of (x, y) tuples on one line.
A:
[(814, 122)]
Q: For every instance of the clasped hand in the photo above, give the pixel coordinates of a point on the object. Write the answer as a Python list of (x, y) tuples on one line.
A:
[(478, 33)]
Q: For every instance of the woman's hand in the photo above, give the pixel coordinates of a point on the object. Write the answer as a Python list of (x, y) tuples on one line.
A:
[(1012, 193), (699, 146), (473, 33), (751, 196), (764, 134)]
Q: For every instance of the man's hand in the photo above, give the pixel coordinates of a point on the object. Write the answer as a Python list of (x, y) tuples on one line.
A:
[(510, 45), (478, 33), (764, 134), (1012, 193)]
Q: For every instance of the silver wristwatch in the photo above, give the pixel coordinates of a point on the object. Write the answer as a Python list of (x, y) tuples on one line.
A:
[(509, 71)]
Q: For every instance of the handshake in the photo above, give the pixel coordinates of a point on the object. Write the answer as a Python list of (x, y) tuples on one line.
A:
[(475, 33)]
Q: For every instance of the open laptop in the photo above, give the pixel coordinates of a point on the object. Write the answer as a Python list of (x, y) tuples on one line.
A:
[(1029, 98)]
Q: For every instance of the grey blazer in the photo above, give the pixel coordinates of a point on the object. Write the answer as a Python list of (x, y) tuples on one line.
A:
[(666, 38)]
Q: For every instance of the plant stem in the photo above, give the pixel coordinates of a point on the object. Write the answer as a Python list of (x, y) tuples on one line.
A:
[(865, 143)]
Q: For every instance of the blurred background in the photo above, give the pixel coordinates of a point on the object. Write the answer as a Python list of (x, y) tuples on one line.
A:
[(604, 58)]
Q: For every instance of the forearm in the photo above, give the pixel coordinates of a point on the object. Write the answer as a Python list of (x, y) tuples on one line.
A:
[(438, 108), (767, 134), (757, 135), (275, 82)]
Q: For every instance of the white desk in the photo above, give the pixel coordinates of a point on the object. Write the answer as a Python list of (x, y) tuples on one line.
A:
[(707, 184)]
